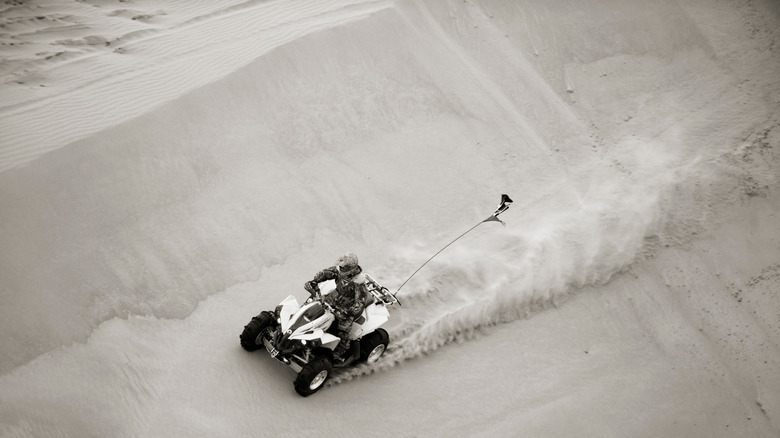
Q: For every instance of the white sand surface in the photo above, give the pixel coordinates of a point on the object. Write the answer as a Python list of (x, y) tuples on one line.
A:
[(169, 169)]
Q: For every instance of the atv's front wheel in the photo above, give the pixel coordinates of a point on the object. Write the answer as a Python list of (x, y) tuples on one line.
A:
[(313, 376), (373, 345), (251, 337)]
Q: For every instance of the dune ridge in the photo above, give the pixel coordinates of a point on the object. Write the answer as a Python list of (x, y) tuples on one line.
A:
[(165, 65)]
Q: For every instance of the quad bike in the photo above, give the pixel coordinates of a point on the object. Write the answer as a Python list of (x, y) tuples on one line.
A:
[(304, 337)]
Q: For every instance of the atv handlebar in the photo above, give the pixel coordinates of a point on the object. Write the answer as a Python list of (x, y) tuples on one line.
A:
[(313, 289), (325, 304)]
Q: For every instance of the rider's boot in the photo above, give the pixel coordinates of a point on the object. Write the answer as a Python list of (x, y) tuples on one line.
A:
[(344, 357)]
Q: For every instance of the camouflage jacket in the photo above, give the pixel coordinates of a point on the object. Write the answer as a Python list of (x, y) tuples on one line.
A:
[(350, 297)]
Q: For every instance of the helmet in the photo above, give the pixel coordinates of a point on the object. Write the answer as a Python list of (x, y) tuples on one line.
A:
[(348, 262)]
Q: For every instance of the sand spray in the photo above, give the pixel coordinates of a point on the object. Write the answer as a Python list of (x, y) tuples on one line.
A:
[(583, 231)]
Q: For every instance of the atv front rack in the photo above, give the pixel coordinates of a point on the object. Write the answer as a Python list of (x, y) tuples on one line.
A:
[(380, 292)]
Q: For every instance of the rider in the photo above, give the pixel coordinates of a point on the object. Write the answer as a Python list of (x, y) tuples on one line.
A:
[(348, 300)]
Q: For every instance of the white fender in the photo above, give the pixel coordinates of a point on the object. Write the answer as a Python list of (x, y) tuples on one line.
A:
[(375, 315), (330, 341), (289, 307)]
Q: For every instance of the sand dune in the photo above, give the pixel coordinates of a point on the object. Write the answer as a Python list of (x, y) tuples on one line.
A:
[(168, 169), (148, 68)]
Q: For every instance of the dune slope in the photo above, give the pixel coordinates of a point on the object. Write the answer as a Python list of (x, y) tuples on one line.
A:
[(165, 179)]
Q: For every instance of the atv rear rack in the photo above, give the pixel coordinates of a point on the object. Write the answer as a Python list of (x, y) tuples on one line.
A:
[(380, 292)]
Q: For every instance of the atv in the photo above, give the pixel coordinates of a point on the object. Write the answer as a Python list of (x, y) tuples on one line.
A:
[(304, 337)]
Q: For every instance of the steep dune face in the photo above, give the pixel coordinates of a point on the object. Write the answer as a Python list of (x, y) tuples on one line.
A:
[(639, 142), (355, 131)]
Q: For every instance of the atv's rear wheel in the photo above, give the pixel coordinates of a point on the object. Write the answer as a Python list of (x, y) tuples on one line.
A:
[(373, 345), (251, 337), (313, 376)]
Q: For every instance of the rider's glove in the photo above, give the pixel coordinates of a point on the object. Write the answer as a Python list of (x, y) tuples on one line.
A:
[(311, 287)]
